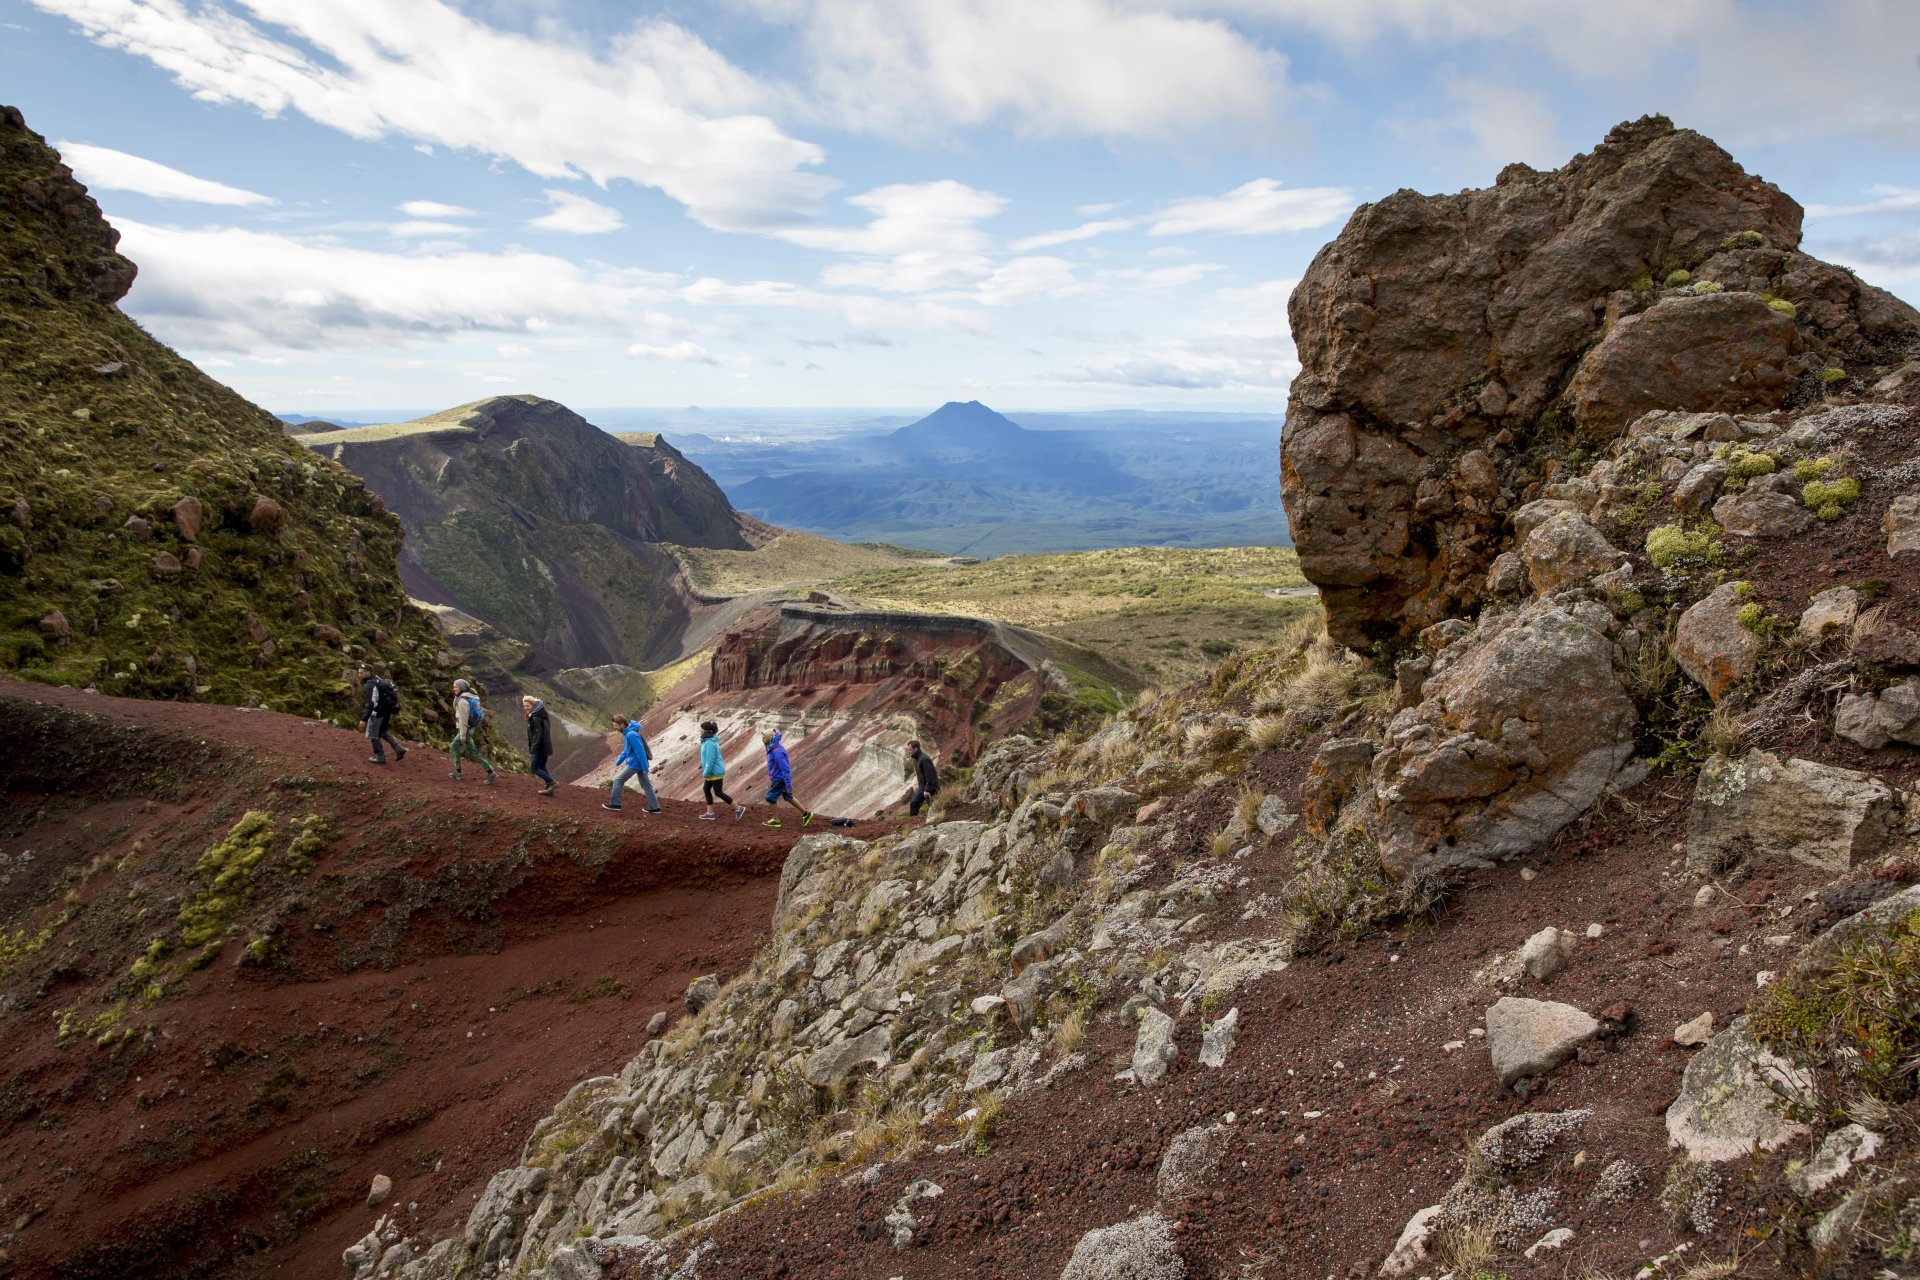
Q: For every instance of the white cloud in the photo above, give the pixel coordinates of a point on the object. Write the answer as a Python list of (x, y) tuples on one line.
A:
[(1095, 210), (678, 353), (1105, 68), (1030, 279), (421, 229), (1085, 231), (922, 236), (1260, 207), (1887, 199), (576, 215), (653, 105), (514, 350), (433, 209), (228, 289), (1886, 260), (1506, 125), (1245, 346), (862, 311), (117, 171)]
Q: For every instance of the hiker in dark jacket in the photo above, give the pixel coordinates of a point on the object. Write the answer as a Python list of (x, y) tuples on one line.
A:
[(780, 779), (383, 700), (926, 779), (539, 740)]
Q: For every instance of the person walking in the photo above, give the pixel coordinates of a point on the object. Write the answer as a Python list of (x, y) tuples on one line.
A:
[(780, 779), (383, 703), (713, 772), (539, 740), (632, 763), (926, 779), (467, 716)]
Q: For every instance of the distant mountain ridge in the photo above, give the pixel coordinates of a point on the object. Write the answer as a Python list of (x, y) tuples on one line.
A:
[(972, 443), (525, 515)]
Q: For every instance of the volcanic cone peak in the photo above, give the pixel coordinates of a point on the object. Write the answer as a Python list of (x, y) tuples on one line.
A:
[(1452, 345), (53, 238)]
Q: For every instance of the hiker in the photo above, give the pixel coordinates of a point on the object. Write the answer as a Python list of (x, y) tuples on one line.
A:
[(539, 739), (383, 703), (713, 772), (632, 763), (926, 779), (467, 715), (780, 779)]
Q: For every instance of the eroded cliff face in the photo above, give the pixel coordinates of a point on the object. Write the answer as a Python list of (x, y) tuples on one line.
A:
[(848, 690), (1456, 349)]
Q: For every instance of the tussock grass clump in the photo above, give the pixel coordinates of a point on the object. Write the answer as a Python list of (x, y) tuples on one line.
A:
[(1857, 1016)]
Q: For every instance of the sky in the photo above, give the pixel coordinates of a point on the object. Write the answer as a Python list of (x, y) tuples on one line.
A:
[(1041, 204)]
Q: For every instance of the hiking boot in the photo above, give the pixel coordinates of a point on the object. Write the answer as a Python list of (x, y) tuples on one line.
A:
[(653, 811), (614, 807), (771, 822), (806, 819), (399, 754), (739, 812), (546, 790), (376, 759), (708, 817), (491, 777), (455, 775)]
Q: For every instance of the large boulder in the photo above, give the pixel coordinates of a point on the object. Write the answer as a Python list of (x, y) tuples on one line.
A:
[(1734, 1098), (1532, 1037), (1565, 550), (1825, 816), (1522, 728), (1435, 334)]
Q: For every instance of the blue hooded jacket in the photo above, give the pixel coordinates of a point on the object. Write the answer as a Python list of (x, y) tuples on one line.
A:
[(635, 754), (778, 769), (711, 765)]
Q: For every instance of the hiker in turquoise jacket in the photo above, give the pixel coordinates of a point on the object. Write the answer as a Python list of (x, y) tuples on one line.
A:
[(713, 772), (633, 763), (780, 779)]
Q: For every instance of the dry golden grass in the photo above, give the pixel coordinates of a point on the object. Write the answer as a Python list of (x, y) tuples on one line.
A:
[(1069, 1034)]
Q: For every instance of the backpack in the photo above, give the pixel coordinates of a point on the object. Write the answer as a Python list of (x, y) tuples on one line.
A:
[(475, 712), (386, 698)]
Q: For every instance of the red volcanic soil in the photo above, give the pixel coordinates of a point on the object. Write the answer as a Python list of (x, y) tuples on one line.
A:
[(457, 958)]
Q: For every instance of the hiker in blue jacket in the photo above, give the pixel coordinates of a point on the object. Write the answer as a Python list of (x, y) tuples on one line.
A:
[(633, 763), (780, 779), (713, 773)]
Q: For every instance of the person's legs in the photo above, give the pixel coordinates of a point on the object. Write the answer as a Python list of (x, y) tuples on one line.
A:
[(920, 797), (619, 785), (646, 785), (376, 730), (459, 749), (539, 770)]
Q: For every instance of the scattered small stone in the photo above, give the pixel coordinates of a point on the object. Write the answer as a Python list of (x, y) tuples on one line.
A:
[(1153, 1047), (1410, 1250), (1547, 952), (1532, 1037), (382, 1188), (701, 992), (1216, 1042), (1696, 1032), (1549, 1242), (1703, 898)]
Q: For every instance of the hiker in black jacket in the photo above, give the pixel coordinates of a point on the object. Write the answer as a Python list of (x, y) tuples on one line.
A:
[(539, 740), (383, 702), (926, 779)]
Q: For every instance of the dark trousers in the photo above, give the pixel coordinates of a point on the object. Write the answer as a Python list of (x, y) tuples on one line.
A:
[(921, 796), (378, 733), (711, 789), (539, 769)]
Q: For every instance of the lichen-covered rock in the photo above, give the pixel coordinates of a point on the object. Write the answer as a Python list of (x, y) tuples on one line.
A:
[(1762, 512), (1153, 1047), (1830, 612), (1434, 334), (1760, 804), (1522, 731), (1712, 645), (1566, 551), (831, 1065), (1902, 525), (1139, 1249), (1733, 1099)]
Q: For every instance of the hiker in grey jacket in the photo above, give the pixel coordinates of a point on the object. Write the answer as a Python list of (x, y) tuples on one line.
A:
[(383, 700), (467, 714)]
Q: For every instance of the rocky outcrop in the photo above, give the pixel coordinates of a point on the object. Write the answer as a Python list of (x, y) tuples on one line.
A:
[(1760, 804), (1447, 341), (1734, 1099), (1521, 727), (1713, 646)]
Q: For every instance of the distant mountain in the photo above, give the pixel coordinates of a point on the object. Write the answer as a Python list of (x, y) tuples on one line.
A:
[(525, 515), (971, 443)]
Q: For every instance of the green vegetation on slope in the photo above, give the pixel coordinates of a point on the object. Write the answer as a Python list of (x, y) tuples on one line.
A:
[(791, 559), (104, 435), (1163, 612)]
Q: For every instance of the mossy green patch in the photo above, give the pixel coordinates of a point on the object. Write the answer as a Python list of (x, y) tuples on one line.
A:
[(1857, 1014), (226, 875), (1671, 544), (1830, 499), (1831, 374)]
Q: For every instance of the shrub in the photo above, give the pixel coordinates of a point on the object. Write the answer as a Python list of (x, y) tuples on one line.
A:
[(1641, 283), (1784, 307), (1831, 374), (1748, 239), (1808, 469), (1829, 499), (1858, 1014), (1702, 287), (1677, 277), (1669, 544), (1746, 466), (1753, 616)]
